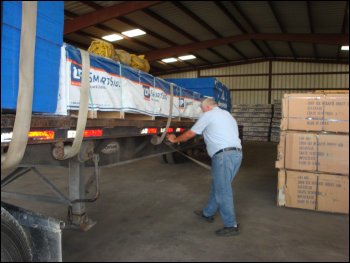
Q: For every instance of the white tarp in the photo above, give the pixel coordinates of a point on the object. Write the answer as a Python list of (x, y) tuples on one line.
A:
[(116, 87)]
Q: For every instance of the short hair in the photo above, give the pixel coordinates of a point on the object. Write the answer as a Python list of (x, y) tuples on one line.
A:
[(209, 102)]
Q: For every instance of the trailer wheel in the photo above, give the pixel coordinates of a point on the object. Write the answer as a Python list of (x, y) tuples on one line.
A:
[(14, 242), (162, 158), (171, 158)]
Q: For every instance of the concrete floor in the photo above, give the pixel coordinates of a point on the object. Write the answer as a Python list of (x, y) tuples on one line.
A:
[(145, 213)]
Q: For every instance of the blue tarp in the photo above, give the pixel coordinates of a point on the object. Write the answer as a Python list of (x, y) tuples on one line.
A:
[(49, 39), (210, 87)]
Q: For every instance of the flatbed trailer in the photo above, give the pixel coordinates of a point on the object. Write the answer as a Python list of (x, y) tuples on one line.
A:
[(106, 142)]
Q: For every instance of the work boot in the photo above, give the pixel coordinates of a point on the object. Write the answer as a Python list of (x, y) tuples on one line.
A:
[(200, 214), (227, 231)]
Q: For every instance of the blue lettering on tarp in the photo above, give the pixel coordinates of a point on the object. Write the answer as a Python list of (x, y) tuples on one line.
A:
[(157, 94), (76, 73)]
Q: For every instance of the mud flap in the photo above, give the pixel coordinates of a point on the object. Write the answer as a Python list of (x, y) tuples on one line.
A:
[(44, 233)]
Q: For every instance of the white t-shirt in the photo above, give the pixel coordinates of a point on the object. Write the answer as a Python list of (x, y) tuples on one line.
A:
[(219, 129)]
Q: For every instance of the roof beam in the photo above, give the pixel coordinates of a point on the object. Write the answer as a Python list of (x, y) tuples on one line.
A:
[(345, 21), (153, 34), (274, 12), (242, 14), (207, 26), (329, 39), (175, 28), (312, 28), (223, 9), (105, 14), (110, 30)]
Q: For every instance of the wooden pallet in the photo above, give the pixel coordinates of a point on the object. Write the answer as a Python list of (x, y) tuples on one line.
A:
[(126, 116), (113, 115)]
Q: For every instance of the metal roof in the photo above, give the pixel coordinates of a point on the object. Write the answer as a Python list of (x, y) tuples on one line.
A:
[(216, 32)]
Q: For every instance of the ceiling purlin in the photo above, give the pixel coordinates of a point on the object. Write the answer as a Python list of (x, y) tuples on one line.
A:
[(108, 29), (92, 5), (242, 14), (312, 28), (276, 16), (345, 21), (174, 27), (154, 34), (207, 26), (236, 23), (93, 37), (105, 14), (80, 45)]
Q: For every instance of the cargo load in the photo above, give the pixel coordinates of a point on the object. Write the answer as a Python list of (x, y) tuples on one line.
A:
[(316, 112), (118, 87), (313, 191), (316, 152)]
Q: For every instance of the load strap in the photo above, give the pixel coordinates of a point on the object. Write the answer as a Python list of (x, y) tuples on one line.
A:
[(21, 126)]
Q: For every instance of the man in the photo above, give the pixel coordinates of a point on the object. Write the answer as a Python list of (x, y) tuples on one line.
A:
[(221, 137)]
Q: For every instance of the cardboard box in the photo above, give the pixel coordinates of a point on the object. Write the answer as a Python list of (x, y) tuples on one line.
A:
[(320, 192), (316, 112), (316, 152)]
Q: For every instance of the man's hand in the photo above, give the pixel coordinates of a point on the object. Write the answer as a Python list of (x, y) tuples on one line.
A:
[(171, 138)]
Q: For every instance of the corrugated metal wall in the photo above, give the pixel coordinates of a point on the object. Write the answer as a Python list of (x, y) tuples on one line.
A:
[(262, 82)]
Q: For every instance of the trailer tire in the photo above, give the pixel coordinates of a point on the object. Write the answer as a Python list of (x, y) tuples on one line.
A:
[(14, 241), (162, 159), (171, 158)]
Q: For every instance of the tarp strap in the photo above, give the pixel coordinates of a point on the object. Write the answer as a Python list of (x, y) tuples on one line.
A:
[(21, 127), (83, 107)]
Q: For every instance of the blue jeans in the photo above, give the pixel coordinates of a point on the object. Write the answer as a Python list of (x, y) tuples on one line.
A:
[(225, 166)]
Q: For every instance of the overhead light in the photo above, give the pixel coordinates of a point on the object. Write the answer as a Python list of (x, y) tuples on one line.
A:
[(187, 57), (113, 37), (169, 60), (134, 33), (345, 48)]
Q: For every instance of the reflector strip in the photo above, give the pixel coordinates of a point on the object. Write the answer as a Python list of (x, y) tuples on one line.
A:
[(6, 137), (41, 135), (169, 130), (149, 131), (93, 133), (34, 135), (180, 129), (87, 133)]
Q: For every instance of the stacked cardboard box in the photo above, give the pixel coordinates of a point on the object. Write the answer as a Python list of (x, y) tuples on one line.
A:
[(255, 119), (276, 121), (313, 153)]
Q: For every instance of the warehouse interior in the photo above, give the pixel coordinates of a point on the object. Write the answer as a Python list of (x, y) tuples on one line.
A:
[(291, 192)]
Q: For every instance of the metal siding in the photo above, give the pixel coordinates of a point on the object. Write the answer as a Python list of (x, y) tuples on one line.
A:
[(311, 81), (292, 83), (253, 68), (303, 67)]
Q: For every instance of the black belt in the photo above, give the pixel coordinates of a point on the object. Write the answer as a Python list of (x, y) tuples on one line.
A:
[(228, 149)]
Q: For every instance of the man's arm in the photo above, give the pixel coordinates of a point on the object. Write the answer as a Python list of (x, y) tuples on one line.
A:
[(181, 138)]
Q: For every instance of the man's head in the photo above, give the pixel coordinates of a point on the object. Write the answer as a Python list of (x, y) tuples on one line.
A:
[(208, 104)]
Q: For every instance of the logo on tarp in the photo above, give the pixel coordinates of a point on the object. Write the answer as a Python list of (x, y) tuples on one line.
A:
[(146, 93), (75, 77), (182, 102)]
